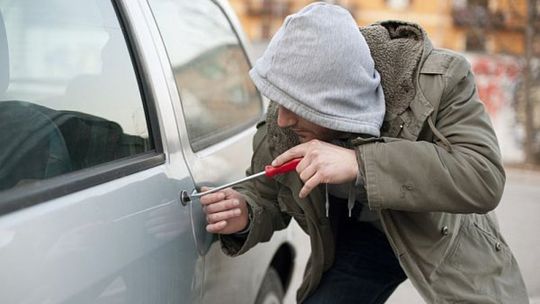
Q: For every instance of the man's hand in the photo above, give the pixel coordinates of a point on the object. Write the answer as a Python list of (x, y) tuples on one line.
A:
[(226, 211), (322, 163)]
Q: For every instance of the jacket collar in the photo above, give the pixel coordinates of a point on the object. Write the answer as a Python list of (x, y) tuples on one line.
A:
[(399, 49)]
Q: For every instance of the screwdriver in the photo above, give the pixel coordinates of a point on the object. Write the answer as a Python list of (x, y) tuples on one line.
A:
[(269, 171)]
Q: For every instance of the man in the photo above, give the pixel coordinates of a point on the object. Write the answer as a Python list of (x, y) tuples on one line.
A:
[(414, 203)]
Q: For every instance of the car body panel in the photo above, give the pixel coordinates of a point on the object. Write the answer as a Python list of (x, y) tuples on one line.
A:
[(130, 239), (102, 245), (216, 165)]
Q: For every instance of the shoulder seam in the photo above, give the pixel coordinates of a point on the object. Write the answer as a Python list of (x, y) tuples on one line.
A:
[(437, 62)]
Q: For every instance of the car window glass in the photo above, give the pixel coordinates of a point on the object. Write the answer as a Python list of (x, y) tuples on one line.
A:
[(210, 68), (69, 96)]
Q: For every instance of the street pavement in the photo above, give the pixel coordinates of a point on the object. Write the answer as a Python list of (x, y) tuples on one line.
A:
[(517, 213)]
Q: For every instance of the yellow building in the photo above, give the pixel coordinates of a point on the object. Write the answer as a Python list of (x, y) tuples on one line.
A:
[(492, 26)]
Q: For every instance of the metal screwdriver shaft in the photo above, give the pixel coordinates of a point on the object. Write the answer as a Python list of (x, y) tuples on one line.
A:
[(269, 171), (245, 179)]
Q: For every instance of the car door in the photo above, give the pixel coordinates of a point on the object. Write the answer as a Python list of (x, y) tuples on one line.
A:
[(90, 161), (216, 100)]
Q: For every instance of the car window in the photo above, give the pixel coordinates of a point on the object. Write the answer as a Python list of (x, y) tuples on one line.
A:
[(69, 95), (210, 68)]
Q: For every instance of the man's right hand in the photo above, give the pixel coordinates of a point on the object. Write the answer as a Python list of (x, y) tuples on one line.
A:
[(226, 211)]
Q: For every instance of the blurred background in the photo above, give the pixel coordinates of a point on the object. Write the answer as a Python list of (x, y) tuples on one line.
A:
[(501, 39)]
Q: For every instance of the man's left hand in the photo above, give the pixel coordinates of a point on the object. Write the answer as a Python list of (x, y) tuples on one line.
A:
[(321, 163)]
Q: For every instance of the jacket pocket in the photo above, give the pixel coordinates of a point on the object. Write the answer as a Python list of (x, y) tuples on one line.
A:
[(478, 248), (473, 264)]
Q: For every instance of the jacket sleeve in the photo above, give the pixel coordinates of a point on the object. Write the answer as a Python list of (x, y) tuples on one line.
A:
[(424, 176), (261, 195)]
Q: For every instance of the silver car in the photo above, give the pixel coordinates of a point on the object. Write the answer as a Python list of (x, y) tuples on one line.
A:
[(108, 111)]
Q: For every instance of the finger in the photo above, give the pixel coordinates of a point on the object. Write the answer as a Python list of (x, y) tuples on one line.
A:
[(294, 152), (212, 198), (306, 161), (306, 173), (313, 182), (222, 206), (221, 216), (217, 227), (229, 192)]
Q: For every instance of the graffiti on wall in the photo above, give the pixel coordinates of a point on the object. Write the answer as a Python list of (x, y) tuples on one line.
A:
[(498, 78)]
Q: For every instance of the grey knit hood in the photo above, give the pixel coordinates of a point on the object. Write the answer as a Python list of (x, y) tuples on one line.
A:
[(318, 65)]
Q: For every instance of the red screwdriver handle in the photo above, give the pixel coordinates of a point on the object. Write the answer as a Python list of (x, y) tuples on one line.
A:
[(286, 167)]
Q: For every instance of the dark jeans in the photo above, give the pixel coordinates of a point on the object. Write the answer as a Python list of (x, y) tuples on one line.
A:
[(365, 270)]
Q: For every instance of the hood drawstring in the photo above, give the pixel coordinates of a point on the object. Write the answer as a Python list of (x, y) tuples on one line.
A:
[(327, 202), (445, 143), (351, 198)]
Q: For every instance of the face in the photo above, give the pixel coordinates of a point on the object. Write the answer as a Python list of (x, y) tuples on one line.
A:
[(305, 129)]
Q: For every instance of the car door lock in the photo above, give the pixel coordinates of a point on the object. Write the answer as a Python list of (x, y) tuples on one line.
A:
[(184, 198)]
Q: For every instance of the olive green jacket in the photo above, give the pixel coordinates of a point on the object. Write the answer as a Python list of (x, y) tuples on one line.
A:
[(434, 177)]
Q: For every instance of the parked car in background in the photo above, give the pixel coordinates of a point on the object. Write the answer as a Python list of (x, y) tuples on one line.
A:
[(109, 109)]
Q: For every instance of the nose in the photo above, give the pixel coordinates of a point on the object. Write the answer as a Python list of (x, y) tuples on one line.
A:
[(285, 118)]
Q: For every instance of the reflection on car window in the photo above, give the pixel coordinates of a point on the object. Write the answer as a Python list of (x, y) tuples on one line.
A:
[(210, 68), (69, 97)]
